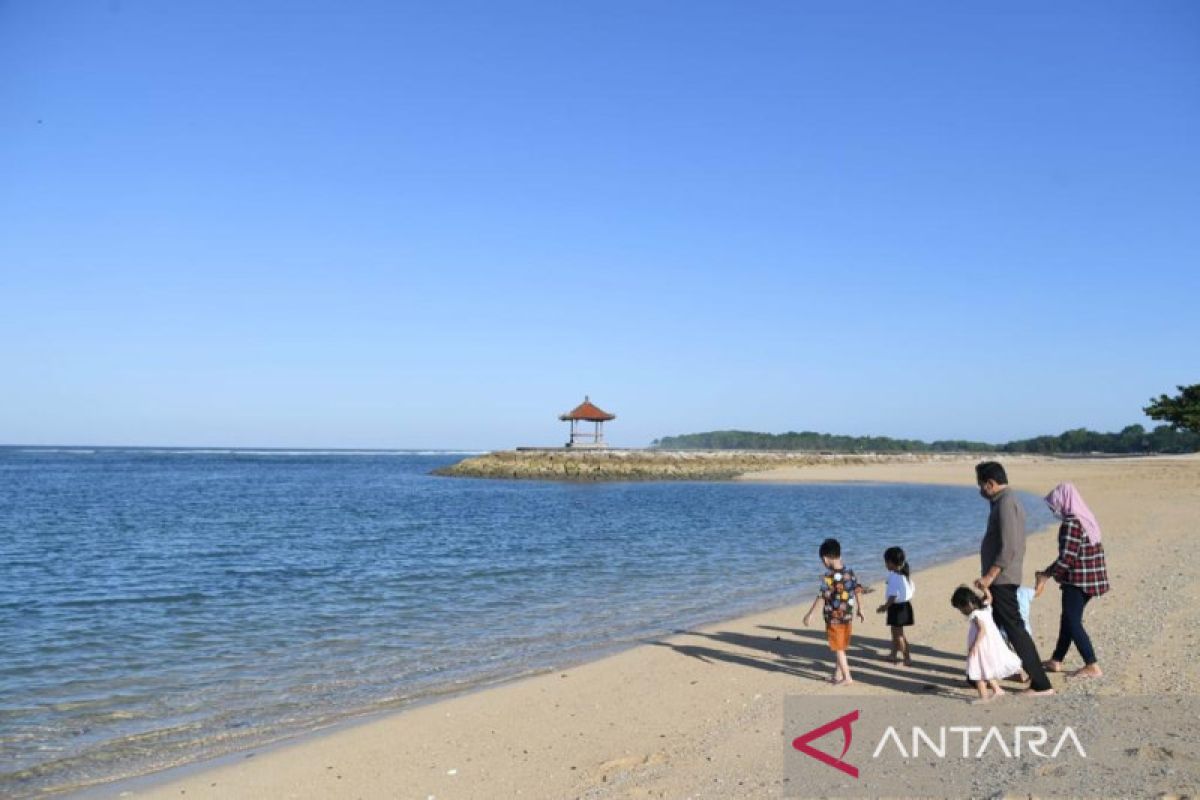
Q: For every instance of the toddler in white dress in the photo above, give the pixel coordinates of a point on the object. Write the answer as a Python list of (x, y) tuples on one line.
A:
[(988, 657)]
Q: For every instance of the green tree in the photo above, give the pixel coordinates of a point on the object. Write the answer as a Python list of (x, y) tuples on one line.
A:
[(1182, 412), (1132, 439)]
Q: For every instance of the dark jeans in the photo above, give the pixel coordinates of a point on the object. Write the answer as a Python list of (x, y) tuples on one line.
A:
[(1007, 614), (1070, 626)]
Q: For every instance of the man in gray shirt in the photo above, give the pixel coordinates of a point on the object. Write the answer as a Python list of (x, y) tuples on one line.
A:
[(1002, 557)]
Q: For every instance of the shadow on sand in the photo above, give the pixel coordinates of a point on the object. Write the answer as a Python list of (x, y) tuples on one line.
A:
[(809, 657)]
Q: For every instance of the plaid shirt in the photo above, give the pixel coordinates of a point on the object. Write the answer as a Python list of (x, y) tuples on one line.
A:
[(1080, 563)]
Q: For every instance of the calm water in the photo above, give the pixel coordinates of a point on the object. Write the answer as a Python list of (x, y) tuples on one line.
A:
[(157, 607)]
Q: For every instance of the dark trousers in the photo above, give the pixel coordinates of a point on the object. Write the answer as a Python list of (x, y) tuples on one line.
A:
[(1070, 626), (1007, 614)]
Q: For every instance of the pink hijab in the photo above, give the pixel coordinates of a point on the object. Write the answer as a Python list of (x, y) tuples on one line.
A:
[(1065, 501)]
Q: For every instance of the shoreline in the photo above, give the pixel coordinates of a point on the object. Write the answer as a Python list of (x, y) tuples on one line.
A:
[(614, 691), (353, 719)]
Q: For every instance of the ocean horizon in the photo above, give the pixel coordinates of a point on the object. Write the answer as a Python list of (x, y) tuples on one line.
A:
[(161, 606)]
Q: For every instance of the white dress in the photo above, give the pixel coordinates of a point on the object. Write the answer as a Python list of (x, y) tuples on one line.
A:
[(993, 659)]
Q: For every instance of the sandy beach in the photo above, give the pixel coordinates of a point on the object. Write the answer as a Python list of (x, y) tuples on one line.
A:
[(698, 714)]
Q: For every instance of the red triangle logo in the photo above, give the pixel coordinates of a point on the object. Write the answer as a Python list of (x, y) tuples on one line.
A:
[(842, 723)]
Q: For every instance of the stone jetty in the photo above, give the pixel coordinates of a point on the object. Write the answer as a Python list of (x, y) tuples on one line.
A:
[(652, 465)]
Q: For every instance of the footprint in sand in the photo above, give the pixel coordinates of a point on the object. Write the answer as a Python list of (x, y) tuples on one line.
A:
[(1148, 752), (1052, 771), (608, 769)]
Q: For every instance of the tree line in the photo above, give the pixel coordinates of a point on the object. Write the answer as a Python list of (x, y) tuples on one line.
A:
[(1131, 439), (1181, 435)]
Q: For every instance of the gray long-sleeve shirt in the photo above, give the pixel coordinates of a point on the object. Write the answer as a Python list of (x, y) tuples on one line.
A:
[(1003, 544)]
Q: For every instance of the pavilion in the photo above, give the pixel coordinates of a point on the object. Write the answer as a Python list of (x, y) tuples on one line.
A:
[(586, 412)]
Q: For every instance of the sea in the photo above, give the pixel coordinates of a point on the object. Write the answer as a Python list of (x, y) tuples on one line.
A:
[(159, 607)]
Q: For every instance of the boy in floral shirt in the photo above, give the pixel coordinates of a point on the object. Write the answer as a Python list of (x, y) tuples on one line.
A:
[(842, 596)]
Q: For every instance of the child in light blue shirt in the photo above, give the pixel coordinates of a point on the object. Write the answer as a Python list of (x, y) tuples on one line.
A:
[(1025, 596)]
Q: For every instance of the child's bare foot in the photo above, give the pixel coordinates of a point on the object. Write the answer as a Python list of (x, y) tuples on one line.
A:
[(844, 682), (1090, 671), (975, 701), (1037, 692), (1052, 666), (908, 662), (891, 658), (998, 692)]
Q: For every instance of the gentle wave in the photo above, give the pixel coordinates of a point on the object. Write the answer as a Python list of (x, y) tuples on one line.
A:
[(116, 601)]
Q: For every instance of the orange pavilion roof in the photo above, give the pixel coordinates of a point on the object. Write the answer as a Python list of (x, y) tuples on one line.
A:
[(587, 411)]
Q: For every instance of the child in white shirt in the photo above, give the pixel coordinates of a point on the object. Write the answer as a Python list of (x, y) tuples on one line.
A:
[(898, 602)]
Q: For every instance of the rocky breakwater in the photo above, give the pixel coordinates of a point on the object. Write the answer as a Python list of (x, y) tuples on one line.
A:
[(652, 465)]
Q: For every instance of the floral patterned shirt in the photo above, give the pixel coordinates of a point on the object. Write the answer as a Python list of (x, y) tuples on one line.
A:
[(837, 589)]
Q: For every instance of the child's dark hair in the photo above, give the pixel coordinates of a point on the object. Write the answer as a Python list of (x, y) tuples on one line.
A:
[(895, 556), (964, 597), (830, 548)]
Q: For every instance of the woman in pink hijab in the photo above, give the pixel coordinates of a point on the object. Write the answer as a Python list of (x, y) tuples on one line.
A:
[(1081, 573)]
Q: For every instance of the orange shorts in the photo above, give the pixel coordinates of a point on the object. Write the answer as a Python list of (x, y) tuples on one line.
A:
[(838, 636)]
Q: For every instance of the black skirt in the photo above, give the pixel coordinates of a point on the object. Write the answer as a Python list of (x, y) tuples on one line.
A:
[(900, 615)]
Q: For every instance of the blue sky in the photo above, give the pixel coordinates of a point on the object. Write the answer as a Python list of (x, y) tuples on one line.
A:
[(382, 224)]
